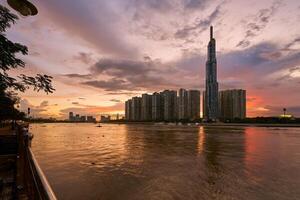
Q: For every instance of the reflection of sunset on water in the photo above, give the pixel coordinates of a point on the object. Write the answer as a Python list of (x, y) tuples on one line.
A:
[(83, 161)]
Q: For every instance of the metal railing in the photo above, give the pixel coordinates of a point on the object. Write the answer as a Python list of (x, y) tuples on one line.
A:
[(30, 179)]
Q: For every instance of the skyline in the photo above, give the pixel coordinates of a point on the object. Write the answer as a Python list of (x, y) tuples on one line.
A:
[(103, 59)]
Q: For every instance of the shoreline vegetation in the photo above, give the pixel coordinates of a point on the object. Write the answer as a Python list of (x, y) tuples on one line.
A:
[(249, 122)]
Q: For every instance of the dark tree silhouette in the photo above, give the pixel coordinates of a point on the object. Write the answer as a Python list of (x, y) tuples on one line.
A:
[(8, 60)]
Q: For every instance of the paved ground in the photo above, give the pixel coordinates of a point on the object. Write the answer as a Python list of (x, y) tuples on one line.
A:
[(7, 176), (8, 149)]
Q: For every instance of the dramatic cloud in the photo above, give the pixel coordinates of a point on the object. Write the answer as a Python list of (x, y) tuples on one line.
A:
[(86, 58), (258, 23), (129, 75), (195, 4), (80, 76), (109, 85), (198, 26), (115, 100), (96, 26)]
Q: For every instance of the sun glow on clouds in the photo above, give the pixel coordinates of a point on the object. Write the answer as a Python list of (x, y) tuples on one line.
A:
[(148, 45)]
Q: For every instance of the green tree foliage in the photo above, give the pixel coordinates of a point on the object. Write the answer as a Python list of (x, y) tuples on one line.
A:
[(8, 60)]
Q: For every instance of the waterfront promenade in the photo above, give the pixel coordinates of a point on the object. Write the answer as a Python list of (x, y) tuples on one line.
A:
[(20, 174)]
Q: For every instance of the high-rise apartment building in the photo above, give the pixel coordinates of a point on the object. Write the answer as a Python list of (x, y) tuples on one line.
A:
[(232, 104), (193, 105), (157, 107), (128, 110), (170, 105), (146, 107), (136, 108), (183, 104)]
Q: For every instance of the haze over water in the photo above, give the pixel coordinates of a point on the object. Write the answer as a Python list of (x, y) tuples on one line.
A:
[(82, 161)]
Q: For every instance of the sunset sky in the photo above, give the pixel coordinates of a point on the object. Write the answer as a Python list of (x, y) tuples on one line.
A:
[(102, 52)]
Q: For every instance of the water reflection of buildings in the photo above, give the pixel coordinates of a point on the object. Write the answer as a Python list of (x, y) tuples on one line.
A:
[(162, 155), (223, 151)]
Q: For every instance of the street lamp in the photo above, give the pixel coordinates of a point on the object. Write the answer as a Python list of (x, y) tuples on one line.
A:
[(24, 7)]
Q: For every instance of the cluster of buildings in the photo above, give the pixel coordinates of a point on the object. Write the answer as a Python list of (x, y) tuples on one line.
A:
[(164, 106), (220, 105), (77, 118), (185, 105)]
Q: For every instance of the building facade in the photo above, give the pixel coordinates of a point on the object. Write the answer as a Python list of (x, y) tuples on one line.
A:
[(136, 108), (170, 105), (71, 116), (157, 107), (232, 104), (193, 105), (128, 110), (146, 107), (183, 104)]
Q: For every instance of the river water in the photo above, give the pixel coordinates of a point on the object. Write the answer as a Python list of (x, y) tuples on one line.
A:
[(82, 161)]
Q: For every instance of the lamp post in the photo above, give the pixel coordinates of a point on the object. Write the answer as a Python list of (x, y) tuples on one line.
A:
[(23, 7)]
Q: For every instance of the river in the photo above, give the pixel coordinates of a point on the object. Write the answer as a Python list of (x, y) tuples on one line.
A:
[(114, 162)]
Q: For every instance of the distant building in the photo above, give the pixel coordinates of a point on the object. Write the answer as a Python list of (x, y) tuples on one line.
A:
[(157, 107), (170, 105), (105, 118), (203, 105), (77, 118), (146, 107), (193, 105), (232, 104), (136, 108), (82, 118), (71, 116), (90, 119), (183, 104)]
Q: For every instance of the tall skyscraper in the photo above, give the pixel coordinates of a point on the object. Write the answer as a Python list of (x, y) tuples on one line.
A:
[(193, 105), (211, 93), (146, 109), (232, 104)]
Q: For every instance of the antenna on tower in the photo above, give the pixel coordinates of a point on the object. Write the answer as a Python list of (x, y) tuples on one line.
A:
[(211, 32)]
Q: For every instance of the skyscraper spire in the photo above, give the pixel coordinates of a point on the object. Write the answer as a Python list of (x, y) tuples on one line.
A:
[(211, 91)]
